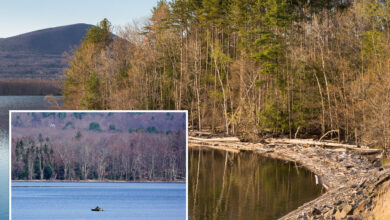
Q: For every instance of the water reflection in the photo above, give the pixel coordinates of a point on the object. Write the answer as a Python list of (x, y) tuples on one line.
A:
[(14, 103), (226, 185)]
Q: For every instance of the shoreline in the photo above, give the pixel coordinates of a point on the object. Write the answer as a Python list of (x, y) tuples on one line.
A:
[(91, 181), (351, 179)]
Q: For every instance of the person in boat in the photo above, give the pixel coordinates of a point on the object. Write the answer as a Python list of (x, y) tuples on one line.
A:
[(97, 209)]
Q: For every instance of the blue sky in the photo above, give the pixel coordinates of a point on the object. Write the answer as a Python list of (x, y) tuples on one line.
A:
[(21, 16)]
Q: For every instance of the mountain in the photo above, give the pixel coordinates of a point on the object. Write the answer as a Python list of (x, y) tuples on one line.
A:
[(47, 41), (39, 54)]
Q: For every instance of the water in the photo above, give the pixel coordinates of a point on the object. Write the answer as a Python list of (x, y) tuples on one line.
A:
[(3, 175), (12, 103), (48, 200), (21, 103), (225, 185)]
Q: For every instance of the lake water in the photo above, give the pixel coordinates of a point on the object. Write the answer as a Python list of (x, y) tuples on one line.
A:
[(225, 185), (3, 175), (43, 200), (12, 103)]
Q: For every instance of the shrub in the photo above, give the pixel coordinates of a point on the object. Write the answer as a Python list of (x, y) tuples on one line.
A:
[(93, 126)]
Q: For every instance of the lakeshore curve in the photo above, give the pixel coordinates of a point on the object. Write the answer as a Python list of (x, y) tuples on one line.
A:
[(350, 178)]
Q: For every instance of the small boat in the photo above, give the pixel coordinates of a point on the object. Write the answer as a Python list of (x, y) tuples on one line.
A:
[(97, 209)]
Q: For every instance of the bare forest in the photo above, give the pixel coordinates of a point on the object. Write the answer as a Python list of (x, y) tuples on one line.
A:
[(99, 146), (246, 67)]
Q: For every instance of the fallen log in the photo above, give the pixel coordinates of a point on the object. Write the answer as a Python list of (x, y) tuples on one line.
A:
[(217, 147), (364, 150), (223, 139)]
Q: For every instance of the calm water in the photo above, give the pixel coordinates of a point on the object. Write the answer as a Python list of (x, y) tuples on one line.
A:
[(41, 200), (3, 175), (12, 103), (225, 185)]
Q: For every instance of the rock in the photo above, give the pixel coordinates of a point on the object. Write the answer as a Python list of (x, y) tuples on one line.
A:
[(361, 207), (376, 163), (353, 217), (339, 215), (338, 203), (329, 215), (340, 158), (245, 140), (344, 211), (316, 212)]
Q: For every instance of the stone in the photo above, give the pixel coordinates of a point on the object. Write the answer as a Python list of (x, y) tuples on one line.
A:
[(329, 215), (376, 163), (316, 212), (344, 211), (353, 217), (338, 203), (339, 215)]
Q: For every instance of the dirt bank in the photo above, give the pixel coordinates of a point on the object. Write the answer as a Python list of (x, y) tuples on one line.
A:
[(352, 179)]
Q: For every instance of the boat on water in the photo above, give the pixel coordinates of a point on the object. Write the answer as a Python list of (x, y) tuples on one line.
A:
[(97, 209)]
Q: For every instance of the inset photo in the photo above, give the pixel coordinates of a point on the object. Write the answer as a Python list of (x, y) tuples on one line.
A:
[(98, 165)]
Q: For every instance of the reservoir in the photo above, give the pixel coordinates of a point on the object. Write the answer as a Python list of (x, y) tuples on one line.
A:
[(74, 200), (13, 103), (226, 185)]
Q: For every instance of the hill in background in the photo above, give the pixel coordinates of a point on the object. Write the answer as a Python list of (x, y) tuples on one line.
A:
[(39, 54)]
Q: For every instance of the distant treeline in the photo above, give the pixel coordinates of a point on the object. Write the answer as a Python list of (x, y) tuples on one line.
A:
[(99, 146), (126, 157), (30, 87)]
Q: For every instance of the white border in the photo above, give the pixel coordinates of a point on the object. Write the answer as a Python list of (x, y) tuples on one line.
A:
[(87, 111)]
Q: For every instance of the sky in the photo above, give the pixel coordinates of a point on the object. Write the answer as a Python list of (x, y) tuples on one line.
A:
[(21, 16)]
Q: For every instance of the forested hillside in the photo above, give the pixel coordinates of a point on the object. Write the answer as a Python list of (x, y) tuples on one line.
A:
[(98, 146), (39, 54), (247, 67)]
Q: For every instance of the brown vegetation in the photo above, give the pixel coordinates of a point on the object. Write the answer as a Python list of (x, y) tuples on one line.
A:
[(30, 87), (382, 203), (98, 146), (247, 66)]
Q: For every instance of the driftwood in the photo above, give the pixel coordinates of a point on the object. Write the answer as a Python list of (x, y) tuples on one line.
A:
[(364, 150), (331, 131), (201, 133), (296, 133), (224, 139)]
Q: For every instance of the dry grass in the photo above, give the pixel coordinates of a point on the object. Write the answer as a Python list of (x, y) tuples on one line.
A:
[(382, 203)]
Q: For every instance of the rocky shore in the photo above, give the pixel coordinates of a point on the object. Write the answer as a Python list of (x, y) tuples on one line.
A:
[(351, 176)]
